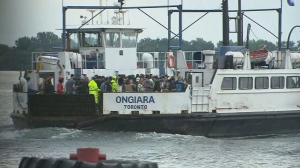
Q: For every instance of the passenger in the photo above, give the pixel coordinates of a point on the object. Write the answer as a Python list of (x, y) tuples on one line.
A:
[(42, 85), (179, 84), (70, 85), (29, 86), (98, 81), (142, 79), (107, 85), (86, 83), (147, 84), (156, 87), (152, 81), (114, 84), (102, 87), (120, 84), (133, 85), (185, 85), (93, 89), (140, 87), (172, 84), (60, 86), (161, 82), (81, 88), (48, 88), (137, 79), (23, 84), (165, 83)]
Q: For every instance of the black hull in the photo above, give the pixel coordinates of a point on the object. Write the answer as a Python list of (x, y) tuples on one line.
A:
[(201, 124)]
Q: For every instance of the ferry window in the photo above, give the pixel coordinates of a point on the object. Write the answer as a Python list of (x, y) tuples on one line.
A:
[(112, 39), (277, 82), (261, 82), (74, 44), (197, 79), (245, 83), (292, 82), (90, 39), (229, 83), (129, 39)]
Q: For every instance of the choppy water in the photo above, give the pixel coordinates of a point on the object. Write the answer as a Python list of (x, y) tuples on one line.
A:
[(170, 151)]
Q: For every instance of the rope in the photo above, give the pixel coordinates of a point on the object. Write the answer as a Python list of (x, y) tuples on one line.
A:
[(254, 34)]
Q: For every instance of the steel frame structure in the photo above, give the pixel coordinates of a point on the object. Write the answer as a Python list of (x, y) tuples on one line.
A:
[(180, 11)]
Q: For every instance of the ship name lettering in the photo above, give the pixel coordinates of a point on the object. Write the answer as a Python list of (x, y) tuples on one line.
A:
[(135, 106), (135, 99)]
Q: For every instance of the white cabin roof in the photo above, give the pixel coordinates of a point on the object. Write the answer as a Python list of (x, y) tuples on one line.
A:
[(97, 26)]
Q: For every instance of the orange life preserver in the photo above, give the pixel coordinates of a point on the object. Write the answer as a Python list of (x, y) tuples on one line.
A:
[(171, 64)]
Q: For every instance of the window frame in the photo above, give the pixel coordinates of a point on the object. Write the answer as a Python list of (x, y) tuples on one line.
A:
[(296, 83), (248, 88), (262, 77), (233, 83), (281, 81)]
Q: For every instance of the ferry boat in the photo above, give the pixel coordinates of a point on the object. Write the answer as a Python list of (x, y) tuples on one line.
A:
[(227, 95)]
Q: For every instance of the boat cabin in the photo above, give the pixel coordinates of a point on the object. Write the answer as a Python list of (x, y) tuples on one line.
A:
[(104, 46)]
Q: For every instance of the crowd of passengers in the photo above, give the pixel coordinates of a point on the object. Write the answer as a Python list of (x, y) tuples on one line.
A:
[(131, 83)]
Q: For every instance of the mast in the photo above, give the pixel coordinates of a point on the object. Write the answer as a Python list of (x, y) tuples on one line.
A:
[(240, 24), (248, 33), (225, 23)]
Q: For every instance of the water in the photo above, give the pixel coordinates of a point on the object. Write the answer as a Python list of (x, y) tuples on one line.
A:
[(169, 151)]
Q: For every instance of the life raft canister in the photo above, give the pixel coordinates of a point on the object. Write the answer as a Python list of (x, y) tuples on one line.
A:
[(171, 64)]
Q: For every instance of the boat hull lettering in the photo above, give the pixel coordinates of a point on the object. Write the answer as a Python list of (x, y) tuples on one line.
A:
[(135, 99), (135, 107)]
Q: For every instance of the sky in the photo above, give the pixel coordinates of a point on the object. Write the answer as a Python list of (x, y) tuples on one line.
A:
[(21, 18)]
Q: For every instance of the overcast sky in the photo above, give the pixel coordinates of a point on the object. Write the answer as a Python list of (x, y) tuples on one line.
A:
[(21, 18)]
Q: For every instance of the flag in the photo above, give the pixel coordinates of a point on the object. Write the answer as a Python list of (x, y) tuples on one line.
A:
[(291, 2)]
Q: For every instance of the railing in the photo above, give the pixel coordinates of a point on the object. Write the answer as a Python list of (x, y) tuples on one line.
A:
[(160, 59)]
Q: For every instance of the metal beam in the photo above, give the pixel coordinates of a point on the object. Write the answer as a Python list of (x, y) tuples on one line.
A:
[(225, 23), (279, 27), (64, 9), (117, 7), (192, 24), (180, 26), (155, 20), (261, 26), (240, 24), (219, 10), (169, 29), (288, 40)]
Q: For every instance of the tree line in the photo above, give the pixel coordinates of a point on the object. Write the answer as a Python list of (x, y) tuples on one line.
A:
[(18, 57)]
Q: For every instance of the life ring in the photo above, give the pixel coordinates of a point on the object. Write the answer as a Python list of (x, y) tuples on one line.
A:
[(171, 64)]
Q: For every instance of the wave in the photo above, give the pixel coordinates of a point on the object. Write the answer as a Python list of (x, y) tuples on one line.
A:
[(40, 134)]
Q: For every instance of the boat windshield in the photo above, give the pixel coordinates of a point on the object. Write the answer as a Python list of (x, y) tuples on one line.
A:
[(129, 39), (74, 44), (112, 39), (90, 39)]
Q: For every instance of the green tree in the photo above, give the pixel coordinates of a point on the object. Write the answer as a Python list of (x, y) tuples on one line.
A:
[(199, 44), (46, 40), (24, 43), (256, 45)]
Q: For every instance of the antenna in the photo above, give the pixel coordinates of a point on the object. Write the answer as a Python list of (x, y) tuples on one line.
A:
[(101, 18), (92, 11), (107, 14)]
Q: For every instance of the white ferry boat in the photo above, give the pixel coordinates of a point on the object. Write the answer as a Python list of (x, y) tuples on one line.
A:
[(226, 96)]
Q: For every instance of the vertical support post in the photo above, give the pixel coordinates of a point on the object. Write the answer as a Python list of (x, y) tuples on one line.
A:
[(180, 26), (225, 23), (64, 9), (169, 29), (240, 24), (279, 27)]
